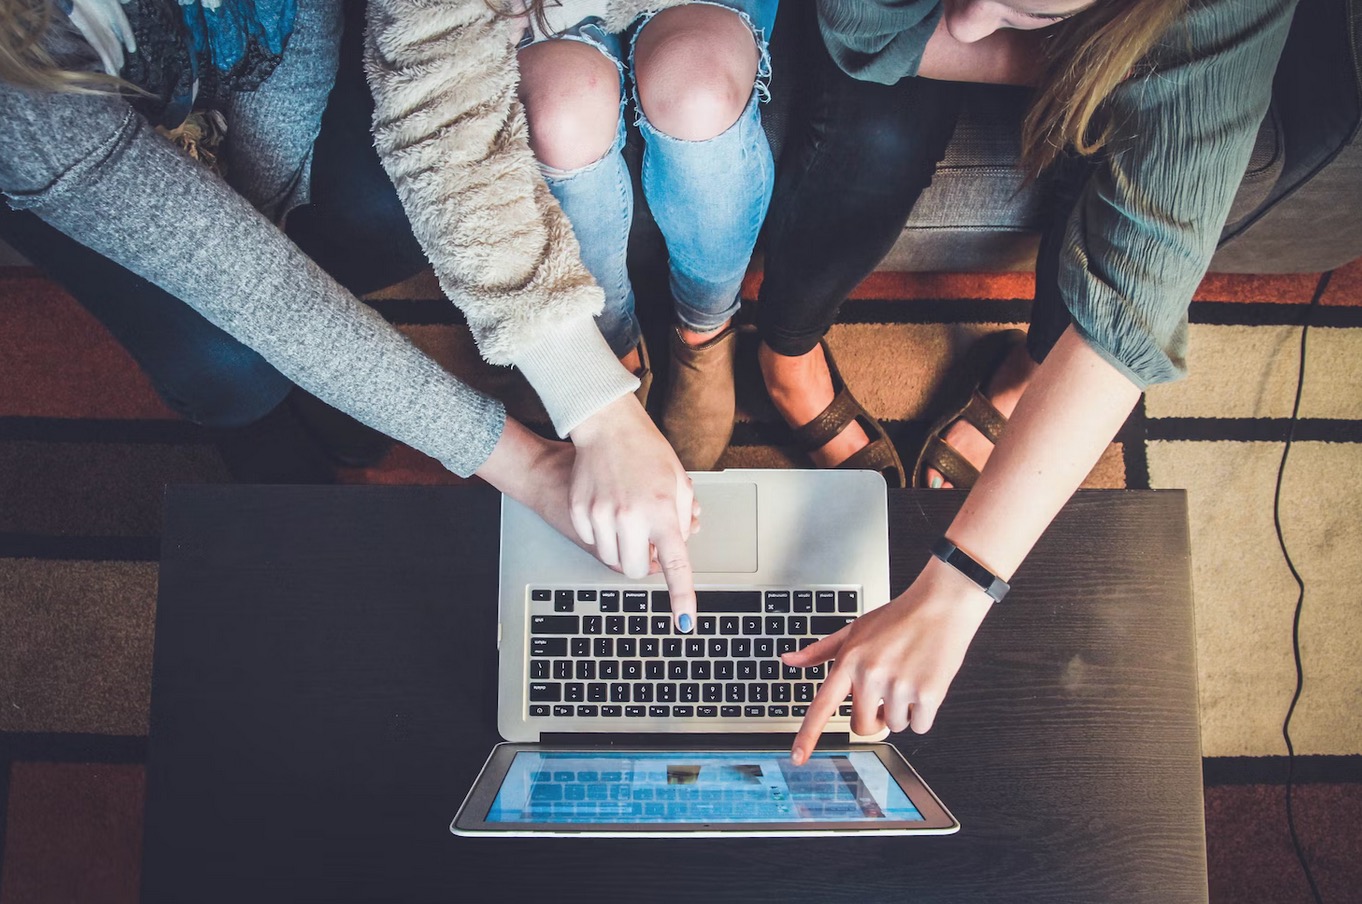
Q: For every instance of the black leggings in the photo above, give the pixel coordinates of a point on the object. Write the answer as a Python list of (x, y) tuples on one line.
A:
[(858, 156)]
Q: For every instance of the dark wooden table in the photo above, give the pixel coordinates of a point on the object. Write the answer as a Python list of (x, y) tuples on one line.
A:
[(323, 697)]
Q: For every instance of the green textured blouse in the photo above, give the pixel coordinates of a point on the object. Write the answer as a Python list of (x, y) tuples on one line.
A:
[(1142, 234)]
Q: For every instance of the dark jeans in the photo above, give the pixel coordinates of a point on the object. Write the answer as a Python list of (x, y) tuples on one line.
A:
[(354, 228), (859, 155)]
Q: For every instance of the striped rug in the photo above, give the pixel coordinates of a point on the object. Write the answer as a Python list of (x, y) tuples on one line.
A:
[(86, 448)]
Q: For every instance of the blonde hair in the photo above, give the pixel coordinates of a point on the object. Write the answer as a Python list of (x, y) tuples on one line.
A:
[(1088, 56), (26, 63)]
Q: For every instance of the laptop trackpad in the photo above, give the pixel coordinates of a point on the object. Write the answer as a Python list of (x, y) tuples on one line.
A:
[(727, 540)]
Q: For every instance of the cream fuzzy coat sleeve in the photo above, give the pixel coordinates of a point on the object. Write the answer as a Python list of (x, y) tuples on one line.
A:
[(452, 136)]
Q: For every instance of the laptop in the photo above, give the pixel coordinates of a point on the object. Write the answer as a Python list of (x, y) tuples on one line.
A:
[(617, 725)]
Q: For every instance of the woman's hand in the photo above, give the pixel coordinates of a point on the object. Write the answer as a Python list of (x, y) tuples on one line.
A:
[(632, 500), (898, 661)]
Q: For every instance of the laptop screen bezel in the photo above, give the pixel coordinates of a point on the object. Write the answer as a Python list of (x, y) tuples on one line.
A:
[(471, 816)]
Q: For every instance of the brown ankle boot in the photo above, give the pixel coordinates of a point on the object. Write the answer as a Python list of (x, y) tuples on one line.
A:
[(697, 416)]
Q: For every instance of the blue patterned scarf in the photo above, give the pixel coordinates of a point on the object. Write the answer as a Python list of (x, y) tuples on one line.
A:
[(186, 54)]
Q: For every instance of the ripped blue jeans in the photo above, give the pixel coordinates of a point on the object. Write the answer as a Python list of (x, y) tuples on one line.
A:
[(708, 197)]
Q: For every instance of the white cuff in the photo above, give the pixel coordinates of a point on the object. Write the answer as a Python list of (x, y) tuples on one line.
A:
[(574, 372)]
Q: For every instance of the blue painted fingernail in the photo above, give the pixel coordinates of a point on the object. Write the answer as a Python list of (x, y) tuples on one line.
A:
[(936, 482), (684, 622)]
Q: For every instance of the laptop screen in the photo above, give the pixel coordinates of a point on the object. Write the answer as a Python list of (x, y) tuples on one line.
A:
[(711, 787)]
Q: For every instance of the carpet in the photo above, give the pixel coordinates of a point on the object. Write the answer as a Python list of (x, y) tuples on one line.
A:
[(86, 448)]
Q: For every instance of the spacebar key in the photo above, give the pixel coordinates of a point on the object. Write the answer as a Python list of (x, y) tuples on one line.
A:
[(729, 600)]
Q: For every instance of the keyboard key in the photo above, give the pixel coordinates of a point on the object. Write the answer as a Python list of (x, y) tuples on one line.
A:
[(626, 646), (654, 670), (797, 624), (595, 692), (672, 646), (751, 624), (847, 602), (747, 670), (609, 669), (775, 712), (733, 693), (724, 670), (603, 647), (803, 601), (769, 669), (825, 601), (539, 668), (636, 712), (817, 672), (591, 624), (683, 712), (729, 600), (643, 693), (706, 712), (648, 647), (677, 671), (742, 646), (728, 624), (619, 692), (581, 647), (757, 693), (587, 709), (707, 624), (614, 624), (562, 669), (562, 709), (844, 709), (753, 712), (799, 712), (611, 711), (574, 692), (586, 596), (775, 625), (764, 648), (828, 624), (541, 595), (791, 673), (659, 712), (563, 600), (610, 601), (666, 693), (804, 692), (718, 648), (777, 601), (689, 692), (701, 670), (548, 646), (638, 624), (631, 669), (730, 712), (634, 601), (660, 625), (662, 601), (541, 692), (695, 647), (539, 709), (712, 692), (781, 693)]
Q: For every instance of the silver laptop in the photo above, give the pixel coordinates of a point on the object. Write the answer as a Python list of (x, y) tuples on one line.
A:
[(620, 725)]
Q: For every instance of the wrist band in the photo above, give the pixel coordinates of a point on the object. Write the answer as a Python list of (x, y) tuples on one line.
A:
[(961, 561)]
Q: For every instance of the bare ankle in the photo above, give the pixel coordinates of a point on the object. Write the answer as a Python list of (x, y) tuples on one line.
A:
[(693, 338)]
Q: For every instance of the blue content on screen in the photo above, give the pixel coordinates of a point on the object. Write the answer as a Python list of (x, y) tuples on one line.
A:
[(710, 787)]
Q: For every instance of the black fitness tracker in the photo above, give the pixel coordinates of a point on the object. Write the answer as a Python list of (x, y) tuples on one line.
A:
[(962, 562)]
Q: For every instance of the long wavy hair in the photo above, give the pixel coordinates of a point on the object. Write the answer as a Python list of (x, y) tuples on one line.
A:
[(1087, 57), (26, 63)]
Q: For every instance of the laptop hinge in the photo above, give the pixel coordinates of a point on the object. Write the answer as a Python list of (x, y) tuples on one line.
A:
[(764, 740)]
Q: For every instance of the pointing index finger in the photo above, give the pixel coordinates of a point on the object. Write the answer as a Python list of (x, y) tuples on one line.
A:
[(824, 704), (674, 559)]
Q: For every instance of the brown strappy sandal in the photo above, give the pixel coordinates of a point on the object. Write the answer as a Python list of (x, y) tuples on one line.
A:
[(970, 405), (878, 455)]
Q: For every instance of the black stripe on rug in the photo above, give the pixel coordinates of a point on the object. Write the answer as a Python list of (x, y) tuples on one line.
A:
[(61, 747), (149, 431), (79, 549), (1271, 770), (1249, 430)]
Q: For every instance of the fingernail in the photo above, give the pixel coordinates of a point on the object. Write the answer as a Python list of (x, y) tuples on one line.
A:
[(936, 482), (797, 755), (684, 622)]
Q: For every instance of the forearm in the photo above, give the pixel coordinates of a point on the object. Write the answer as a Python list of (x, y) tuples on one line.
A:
[(133, 198), (1066, 418), (451, 133)]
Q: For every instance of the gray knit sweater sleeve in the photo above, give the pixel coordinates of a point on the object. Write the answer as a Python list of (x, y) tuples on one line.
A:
[(1142, 234), (452, 135), (96, 170)]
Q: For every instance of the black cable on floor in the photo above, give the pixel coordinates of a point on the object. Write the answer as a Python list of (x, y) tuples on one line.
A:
[(1300, 598)]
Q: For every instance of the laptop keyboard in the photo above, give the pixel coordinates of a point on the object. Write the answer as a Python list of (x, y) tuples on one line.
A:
[(612, 654)]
